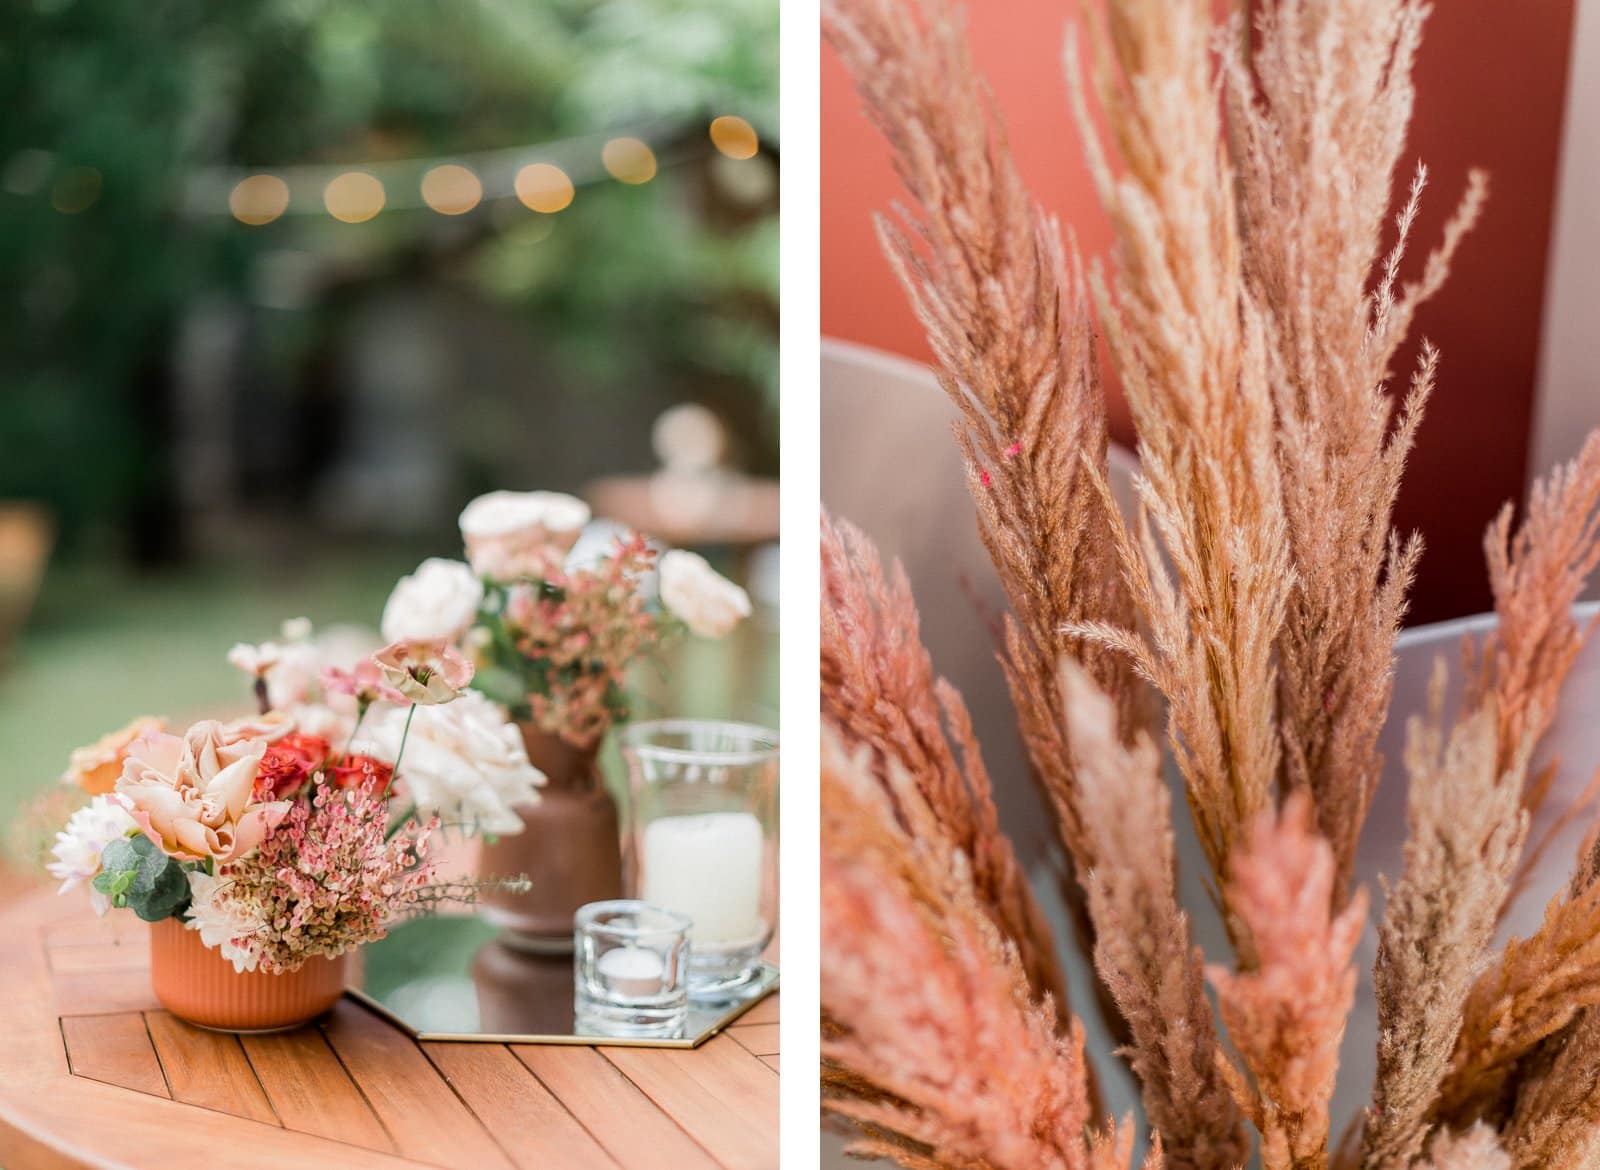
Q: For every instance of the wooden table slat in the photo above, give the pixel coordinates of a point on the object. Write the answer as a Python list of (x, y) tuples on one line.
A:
[(309, 1089), (516, 1108), (722, 1097), (90, 1040), (118, 954), (208, 1069), (101, 991), (426, 1118), (611, 1107), (115, 1049), (757, 1039)]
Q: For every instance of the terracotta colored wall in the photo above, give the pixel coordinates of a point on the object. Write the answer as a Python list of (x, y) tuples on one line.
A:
[(1492, 81)]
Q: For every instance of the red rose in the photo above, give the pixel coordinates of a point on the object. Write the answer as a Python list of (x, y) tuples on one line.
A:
[(362, 771), (288, 764)]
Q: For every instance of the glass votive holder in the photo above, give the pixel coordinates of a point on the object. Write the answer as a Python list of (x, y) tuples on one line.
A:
[(630, 969), (702, 829)]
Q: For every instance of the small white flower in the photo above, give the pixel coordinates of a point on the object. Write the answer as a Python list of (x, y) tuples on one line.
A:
[(296, 630), (513, 513), (436, 603), (706, 601), (222, 920), (512, 535), (84, 838), (256, 661), (463, 760)]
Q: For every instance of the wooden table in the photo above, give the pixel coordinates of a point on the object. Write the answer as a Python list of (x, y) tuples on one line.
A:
[(94, 1074)]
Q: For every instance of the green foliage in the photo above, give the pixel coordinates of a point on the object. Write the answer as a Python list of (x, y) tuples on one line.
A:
[(136, 875), (631, 288)]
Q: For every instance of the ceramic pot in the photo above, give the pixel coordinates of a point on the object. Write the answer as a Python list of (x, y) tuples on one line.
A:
[(570, 849), (195, 983)]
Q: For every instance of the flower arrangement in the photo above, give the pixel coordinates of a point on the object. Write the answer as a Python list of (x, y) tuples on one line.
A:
[(1252, 309), (552, 626), (303, 830)]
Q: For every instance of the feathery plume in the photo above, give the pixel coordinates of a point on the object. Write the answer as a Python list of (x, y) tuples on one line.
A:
[(1143, 949), (1008, 322), (879, 690), (1537, 575), (1113, 1149), (1476, 1149), (1318, 113), (1189, 345), (1466, 829), (1286, 1016), (1534, 989), (1556, 1121), (936, 1047)]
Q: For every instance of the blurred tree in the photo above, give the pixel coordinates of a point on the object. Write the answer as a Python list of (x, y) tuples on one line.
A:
[(113, 109)]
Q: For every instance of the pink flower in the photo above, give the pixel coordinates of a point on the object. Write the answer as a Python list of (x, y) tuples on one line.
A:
[(424, 672), (365, 683), (192, 795)]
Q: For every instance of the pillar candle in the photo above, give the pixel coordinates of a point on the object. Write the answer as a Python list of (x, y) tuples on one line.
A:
[(707, 866)]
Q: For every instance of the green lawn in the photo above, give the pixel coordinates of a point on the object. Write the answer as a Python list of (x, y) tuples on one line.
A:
[(104, 646)]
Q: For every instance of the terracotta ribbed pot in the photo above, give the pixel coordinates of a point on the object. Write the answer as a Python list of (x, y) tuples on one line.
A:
[(570, 848), (195, 983)]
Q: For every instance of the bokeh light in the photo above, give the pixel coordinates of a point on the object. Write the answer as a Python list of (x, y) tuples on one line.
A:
[(76, 190), (734, 137), (544, 187), (354, 197), (628, 160), (451, 189), (259, 199)]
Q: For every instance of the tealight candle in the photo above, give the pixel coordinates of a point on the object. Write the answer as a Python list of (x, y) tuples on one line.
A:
[(631, 971), (707, 866)]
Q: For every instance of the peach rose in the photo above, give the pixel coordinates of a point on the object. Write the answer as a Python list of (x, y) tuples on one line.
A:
[(511, 535), (95, 768), (191, 794)]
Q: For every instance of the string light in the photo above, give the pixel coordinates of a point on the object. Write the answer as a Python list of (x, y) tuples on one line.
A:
[(544, 187), (76, 190), (353, 197), (451, 189), (734, 137), (259, 199), (356, 194), (629, 160)]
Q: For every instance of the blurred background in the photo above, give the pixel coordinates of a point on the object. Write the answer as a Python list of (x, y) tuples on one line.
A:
[(289, 281)]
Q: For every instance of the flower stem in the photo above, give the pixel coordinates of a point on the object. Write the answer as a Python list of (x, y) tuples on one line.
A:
[(361, 715), (404, 734)]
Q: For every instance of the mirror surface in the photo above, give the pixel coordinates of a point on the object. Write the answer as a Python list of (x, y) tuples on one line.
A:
[(450, 978)]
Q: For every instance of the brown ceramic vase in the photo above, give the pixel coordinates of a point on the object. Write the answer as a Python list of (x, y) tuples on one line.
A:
[(569, 848), (195, 983)]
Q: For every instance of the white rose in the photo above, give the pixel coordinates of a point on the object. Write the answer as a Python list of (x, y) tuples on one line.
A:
[(706, 601), (463, 760), (521, 534), (436, 603)]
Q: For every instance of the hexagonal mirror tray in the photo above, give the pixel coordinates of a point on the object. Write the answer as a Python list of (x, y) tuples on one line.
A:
[(451, 978)]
